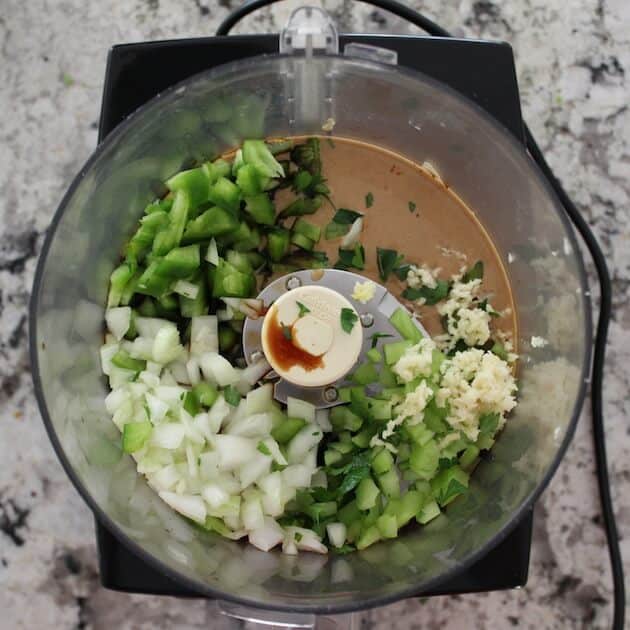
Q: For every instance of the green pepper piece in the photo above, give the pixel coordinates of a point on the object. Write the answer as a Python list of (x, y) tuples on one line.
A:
[(230, 282), (227, 338), (302, 206), (247, 238), (206, 394), (249, 180), (193, 307), (225, 193), (257, 153), (180, 262), (302, 242), (152, 283), (130, 288), (195, 182), (140, 243), (311, 231), (278, 242), (287, 430), (135, 435), (213, 222), (170, 236), (117, 283), (122, 360), (191, 403), (260, 208)]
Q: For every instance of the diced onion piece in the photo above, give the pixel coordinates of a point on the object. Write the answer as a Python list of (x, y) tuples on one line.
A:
[(202, 425), (257, 425), (153, 367), (149, 379), (119, 376), (191, 432), (204, 334), (212, 255), (353, 234), (149, 326), (157, 408), (267, 536), (308, 437), (165, 478), (259, 400), (310, 541), (187, 289), (166, 346), (271, 485), (118, 320), (209, 464), (189, 505), (219, 411), (107, 353), (288, 544), (191, 460), (234, 451), (297, 476), (142, 348), (322, 418), (218, 369), (254, 469), (179, 372), (168, 435), (115, 399), (214, 495), (254, 372), (193, 370), (274, 449), (336, 534), (170, 394), (225, 314), (297, 408), (252, 514)]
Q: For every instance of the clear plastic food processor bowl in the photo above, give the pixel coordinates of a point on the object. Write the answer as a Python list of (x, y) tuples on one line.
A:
[(287, 94)]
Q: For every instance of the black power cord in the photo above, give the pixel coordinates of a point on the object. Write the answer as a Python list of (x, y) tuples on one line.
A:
[(605, 307)]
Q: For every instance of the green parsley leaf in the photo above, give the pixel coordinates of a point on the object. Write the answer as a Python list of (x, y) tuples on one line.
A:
[(351, 258), (474, 273), (348, 319), (430, 296), (488, 423), (344, 216), (286, 332), (387, 260), (335, 230), (445, 463), (344, 549), (402, 271), (376, 336), (369, 200), (263, 448), (298, 536), (303, 309), (357, 469), (231, 395), (499, 350), (454, 488), (412, 206)]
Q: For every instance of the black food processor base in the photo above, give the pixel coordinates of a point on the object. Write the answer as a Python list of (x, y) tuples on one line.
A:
[(482, 71)]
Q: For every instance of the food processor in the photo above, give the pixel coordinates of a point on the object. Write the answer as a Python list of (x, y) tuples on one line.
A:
[(451, 102)]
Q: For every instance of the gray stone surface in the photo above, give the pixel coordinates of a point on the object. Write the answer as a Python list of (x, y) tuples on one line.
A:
[(573, 59)]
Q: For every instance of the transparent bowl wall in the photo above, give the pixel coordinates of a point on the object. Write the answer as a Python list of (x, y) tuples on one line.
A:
[(398, 109)]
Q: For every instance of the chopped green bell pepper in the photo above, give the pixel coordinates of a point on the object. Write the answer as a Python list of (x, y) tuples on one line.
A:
[(213, 222)]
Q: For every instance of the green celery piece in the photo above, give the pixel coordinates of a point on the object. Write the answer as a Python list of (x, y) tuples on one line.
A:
[(349, 513), (381, 409), (410, 504), (395, 350), (365, 374), (257, 153), (346, 392), (230, 282), (402, 322), (386, 377), (227, 338), (499, 350), (428, 512), (389, 483), (488, 423), (360, 404), (147, 308), (239, 260), (382, 462), (135, 435), (387, 526), (332, 456), (117, 283), (362, 439), (249, 180), (180, 262), (260, 208), (122, 360), (205, 393), (367, 492), (469, 458), (419, 433), (387, 393), (287, 430), (302, 241), (342, 447), (278, 242), (213, 222), (424, 459), (342, 417), (310, 230), (374, 355), (437, 358), (225, 194), (370, 536), (194, 181), (170, 235), (449, 484)]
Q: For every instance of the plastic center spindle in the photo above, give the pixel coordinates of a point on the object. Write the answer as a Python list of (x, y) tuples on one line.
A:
[(312, 336)]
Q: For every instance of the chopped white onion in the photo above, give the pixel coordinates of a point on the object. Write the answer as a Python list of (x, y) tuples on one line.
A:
[(115, 399), (204, 334), (218, 369), (142, 348), (306, 438), (254, 469), (234, 451), (254, 372), (149, 326), (165, 478), (322, 417), (257, 425), (186, 289), (118, 320), (268, 536), (336, 533), (214, 495), (168, 435), (189, 505), (212, 255), (166, 346), (353, 234), (259, 400), (179, 372), (219, 411), (252, 514), (297, 476), (297, 408), (107, 353), (193, 370), (157, 408)]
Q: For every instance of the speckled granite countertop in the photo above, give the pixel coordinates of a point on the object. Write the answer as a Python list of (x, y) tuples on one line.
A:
[(573, 61)]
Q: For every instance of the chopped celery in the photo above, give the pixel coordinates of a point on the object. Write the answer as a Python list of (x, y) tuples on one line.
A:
[(349, 514), (449, 484), (374, 355), (227, 338), (311, 231), (485, 442), (387, 526), (395, 350), (434, 417), (278, 242), (403, 323), (343, 418), (367, 493), (260, 208), (362, 439), (428, 512), (370, 536), (381, 409), (285, 431), (387, 393), (424, 459), (419, 433), (342, 447), (332, 456), (345, 393), (389, 483), (382, 462), (469, 457), (386, 377), (365, 374), (320, 511), (135, 434), (410, 504), (303, 242)]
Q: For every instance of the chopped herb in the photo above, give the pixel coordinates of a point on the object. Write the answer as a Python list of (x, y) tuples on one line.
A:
[(369, 200), (387, 260), (331, 143), (357, 469), (445, 463), (344, 549), (286, 332), (412, 206), (348, 319), (402, 271), (376, 336), (303, 309), (335, 230), (298, 536), (231, 395), (263, 448), (430, 296), (488, 423), (474, 273), (315, 432), (344, 216), (349, 258)]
